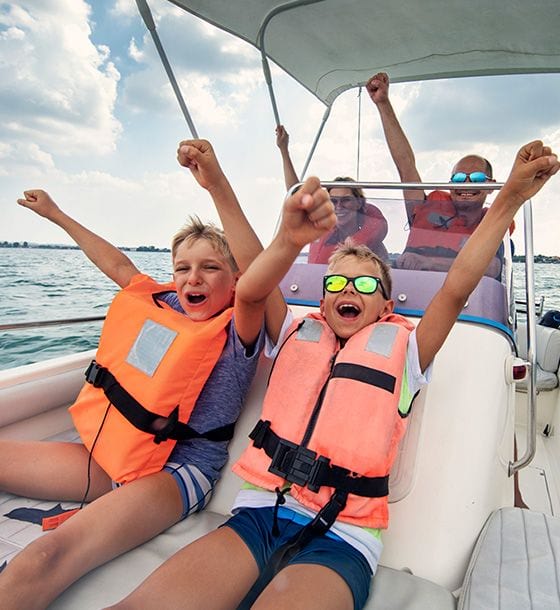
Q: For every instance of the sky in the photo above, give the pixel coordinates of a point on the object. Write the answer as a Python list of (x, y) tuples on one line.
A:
[(87, 113)]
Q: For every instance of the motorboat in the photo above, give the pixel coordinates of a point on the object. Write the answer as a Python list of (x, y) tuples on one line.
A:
[(460, 536)]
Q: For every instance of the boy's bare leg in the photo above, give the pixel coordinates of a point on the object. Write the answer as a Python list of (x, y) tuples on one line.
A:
[(50, 471), (214, 572), (114, 523), (304, 587)]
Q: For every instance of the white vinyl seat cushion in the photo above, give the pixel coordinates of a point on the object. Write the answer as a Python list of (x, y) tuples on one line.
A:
[(515, 564)]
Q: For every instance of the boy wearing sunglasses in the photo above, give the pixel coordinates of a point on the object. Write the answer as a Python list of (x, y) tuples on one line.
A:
[(440, 221), (306, 526)]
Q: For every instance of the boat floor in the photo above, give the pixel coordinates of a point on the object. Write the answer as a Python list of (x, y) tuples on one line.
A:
[(538, 481)]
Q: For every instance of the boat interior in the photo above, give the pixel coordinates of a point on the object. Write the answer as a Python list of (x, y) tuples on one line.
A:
[(453, 501), (462, 535)]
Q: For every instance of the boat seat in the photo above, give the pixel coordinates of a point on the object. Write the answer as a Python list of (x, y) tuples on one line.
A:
[(397, 590), (548, 356), (506, 574), (391, 589)]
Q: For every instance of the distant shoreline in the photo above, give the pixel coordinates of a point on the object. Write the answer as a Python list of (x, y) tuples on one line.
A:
[(538, 258), (31, 245)]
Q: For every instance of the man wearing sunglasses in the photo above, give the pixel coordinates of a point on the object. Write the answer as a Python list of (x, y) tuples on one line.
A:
[(440, 221)]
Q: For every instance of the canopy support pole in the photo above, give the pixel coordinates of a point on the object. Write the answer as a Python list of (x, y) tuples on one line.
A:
[(359, 132), (316, 141), (150, 24), (260, 45)]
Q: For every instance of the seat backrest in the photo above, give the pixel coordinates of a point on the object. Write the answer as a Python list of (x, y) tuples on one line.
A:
[(547, 344)]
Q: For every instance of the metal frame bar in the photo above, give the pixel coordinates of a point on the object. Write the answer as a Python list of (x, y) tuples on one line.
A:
[(261, 46), (268, 77), (531, 447), (146, 14), (316, 140), (403, 186)]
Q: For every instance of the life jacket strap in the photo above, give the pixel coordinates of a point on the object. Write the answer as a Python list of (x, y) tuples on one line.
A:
[(302, 466), (282, 555), (173, 429)]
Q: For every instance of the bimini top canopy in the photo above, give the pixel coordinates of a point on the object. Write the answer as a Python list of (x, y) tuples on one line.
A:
[(332, 45)]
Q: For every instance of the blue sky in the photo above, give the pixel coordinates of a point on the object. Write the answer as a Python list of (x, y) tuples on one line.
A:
[(86, 112)]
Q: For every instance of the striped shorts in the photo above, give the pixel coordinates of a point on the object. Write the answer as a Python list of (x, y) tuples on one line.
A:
[(196, 489)]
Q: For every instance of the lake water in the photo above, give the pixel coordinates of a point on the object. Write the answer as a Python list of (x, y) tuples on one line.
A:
[(50, 284), (44, 284)]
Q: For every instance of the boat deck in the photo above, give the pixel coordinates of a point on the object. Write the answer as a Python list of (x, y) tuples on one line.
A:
[(539, 481)]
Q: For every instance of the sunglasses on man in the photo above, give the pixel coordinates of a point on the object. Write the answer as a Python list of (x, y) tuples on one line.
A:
[(459, 177), (364, 284)]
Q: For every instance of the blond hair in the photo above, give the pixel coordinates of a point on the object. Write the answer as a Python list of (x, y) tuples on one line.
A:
[(195, 229), (360, 251)]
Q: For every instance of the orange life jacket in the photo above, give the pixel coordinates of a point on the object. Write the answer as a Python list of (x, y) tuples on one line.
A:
[(340, 407), (435, 229), (372, 231), (152, 362)]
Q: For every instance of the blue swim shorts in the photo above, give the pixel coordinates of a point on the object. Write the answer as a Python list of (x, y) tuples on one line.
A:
[(254, 526)]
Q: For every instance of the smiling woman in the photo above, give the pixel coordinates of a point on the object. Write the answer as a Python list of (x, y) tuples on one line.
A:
[(355, 217)]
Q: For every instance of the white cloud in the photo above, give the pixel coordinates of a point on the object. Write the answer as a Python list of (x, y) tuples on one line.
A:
[(57, 120), (453, 114), (124, 8), (134, 52), (63, 86)]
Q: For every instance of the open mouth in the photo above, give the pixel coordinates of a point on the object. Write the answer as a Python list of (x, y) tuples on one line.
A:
[(348, 311), (195, 298)]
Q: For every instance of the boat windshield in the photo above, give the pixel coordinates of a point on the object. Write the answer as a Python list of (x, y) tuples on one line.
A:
[(419, 241)]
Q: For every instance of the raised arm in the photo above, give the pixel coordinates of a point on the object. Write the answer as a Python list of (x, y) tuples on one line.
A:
[(399, 146), (282, 141), (533, 166), (109, 259), (307, 215), (199, 157)]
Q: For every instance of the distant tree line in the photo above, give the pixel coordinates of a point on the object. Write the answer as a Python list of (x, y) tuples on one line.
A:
[(26, 244), (538, 258), (517, 258)]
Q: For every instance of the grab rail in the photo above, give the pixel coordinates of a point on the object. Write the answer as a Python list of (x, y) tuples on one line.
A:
[(403, 186), (530, 449)]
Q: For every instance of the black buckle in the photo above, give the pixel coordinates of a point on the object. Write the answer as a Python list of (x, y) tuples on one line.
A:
[(94, 374), (259, 432), (163, 433), (317, 473), (293, 462)]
